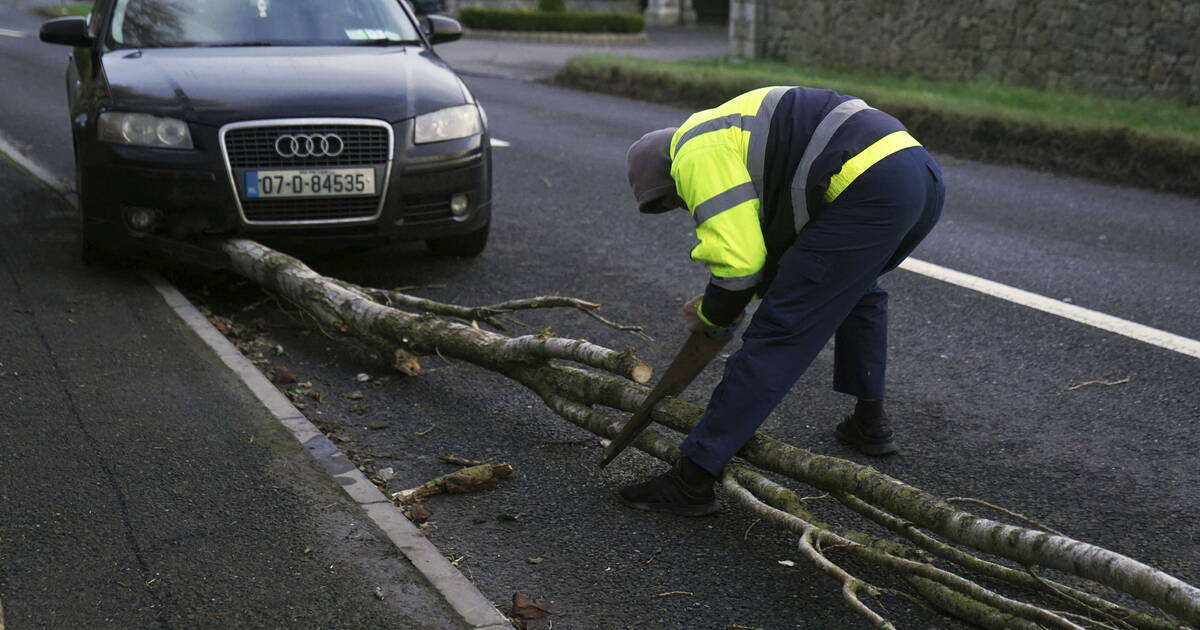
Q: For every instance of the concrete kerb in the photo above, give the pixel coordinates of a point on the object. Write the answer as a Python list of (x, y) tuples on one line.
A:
[(463, 597), (466, 600)]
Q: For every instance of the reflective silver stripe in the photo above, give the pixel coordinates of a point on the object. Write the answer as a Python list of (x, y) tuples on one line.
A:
[(818, 142), (725, 201), (756, 155), (716, 124), (739, 283)]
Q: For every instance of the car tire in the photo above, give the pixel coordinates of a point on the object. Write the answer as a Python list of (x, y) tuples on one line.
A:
[(467, 245)]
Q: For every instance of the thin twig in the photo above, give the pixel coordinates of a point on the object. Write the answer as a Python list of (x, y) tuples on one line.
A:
[(1121, 624), (1074, 386), (490, 313), (1088, 620), (850, 584), (636, 330), (1032, 521)]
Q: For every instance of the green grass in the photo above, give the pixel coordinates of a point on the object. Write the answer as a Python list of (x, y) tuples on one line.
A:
[(1158, 117), (61, 10)]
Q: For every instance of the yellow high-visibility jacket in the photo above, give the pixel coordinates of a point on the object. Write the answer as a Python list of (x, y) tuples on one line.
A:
[(754, 169)]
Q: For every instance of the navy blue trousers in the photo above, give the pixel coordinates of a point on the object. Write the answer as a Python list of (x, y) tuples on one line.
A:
[(826, 286)]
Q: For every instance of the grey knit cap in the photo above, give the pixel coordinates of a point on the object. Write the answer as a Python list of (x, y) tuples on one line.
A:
[(649, 163)]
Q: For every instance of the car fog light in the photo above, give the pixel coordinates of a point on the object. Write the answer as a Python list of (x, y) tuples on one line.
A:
[(140, 219), (458, 204)]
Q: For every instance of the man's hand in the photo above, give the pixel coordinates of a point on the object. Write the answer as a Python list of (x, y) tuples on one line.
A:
[(691, 319), (693, 322)]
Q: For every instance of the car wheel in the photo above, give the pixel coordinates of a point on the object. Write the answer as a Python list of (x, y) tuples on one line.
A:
[(467, 245)]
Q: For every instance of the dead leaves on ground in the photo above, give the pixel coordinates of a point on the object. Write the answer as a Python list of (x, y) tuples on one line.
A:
[(525, 610)]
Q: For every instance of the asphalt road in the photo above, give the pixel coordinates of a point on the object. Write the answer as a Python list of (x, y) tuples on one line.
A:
[(978, 385)]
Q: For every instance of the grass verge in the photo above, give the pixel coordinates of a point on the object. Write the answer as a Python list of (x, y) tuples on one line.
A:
[(62, 10), (1147, 143), (559, 22)]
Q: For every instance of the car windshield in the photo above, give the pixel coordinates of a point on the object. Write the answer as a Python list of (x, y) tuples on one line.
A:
[(169, 23)]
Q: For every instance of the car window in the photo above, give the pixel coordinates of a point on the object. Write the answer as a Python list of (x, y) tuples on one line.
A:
[(164, 23)]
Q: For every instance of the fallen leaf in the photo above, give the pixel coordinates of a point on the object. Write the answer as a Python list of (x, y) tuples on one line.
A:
[(363, 378), (379, 594), (355, 395), (526, 609), (787, 563), (416, 512), (535, 560), (280, 375)]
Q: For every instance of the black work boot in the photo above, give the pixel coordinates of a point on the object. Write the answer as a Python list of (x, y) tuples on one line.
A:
[(686, 490), (867, 435)]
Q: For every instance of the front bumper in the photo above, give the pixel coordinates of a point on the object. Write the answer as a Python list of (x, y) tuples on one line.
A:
[(196, 194)]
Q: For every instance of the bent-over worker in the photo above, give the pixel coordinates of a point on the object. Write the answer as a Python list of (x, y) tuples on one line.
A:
[(804, 197)]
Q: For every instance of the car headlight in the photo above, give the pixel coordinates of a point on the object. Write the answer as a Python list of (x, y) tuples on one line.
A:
[(448, 124), (144, 130)]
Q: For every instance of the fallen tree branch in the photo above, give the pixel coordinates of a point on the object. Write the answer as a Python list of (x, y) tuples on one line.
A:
[(491, 312), (574, 393), (732, 482), (1025, 579), (461, 481)]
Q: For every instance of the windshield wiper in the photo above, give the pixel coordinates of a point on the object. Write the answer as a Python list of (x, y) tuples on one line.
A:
[(239, 44), (383, 41)]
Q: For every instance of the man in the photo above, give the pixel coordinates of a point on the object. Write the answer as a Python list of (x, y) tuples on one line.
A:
[(802, 197)]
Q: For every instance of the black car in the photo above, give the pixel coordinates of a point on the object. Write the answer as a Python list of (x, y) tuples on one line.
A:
[(273, 119)]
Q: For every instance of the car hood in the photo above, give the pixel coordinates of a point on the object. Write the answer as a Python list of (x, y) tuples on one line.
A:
[(215, 86)]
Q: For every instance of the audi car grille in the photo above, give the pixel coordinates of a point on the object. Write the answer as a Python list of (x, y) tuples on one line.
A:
[(350, 143)]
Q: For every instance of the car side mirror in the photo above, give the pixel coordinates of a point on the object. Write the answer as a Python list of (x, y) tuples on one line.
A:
[(442, 29), (70, 31)]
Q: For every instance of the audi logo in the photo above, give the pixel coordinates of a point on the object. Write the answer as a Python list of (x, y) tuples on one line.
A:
[(302, 145)]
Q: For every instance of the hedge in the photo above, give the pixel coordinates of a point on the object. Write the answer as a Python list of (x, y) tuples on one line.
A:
[(568, 21)]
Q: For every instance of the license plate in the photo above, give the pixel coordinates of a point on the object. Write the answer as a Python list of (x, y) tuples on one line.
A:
[(314, 182)]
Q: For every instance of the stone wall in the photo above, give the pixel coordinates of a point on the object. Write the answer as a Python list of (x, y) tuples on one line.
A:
[(1124, 47)]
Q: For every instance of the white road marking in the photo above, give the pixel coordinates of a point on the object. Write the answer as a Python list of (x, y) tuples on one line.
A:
[(11, 33), (27, 163), (1123, 327), (500, 143)]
